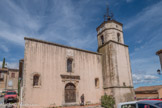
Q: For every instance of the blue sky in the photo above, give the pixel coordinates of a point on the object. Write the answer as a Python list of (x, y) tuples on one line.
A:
[(74, 22)]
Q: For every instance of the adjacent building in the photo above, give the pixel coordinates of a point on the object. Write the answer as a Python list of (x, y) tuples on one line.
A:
[(159, 53), (149, 92), (8, 79), (57, 75)]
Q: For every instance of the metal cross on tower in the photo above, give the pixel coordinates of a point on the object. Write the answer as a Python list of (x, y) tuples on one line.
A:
[(108, 16)]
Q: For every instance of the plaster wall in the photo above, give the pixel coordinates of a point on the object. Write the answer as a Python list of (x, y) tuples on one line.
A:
[(160, 93), (50, 62), (3, 83)]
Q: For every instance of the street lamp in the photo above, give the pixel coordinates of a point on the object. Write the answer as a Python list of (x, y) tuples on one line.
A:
[(158, 71)]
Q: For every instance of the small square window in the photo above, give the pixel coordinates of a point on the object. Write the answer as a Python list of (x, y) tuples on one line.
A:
[(12, 75)]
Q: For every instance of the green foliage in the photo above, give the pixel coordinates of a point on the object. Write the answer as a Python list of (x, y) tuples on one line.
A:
[(3, 64), (19, 87), (107, 101)]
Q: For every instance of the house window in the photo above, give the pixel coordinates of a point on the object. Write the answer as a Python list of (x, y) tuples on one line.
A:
[(36, 80), (96, 82), (118, 37), (102, 40), (12, 75), (69, 65)]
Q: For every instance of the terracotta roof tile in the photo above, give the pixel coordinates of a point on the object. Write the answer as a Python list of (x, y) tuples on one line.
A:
[(3, 69), (148, 88)]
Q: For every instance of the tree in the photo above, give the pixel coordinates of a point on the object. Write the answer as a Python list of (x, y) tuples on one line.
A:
[(107, 101), (3, 64)]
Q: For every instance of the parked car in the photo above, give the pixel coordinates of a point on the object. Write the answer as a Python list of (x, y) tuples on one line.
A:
[(141, 104), (10, 96), (3, 93), (153, 99)]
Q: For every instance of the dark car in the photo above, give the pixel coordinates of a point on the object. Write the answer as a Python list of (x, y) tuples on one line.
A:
[(141, 104)]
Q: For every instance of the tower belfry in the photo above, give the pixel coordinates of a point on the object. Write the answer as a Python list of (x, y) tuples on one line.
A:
[(117, 75)]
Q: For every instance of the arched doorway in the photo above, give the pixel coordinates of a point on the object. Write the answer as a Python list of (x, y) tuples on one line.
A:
[(70, 93)]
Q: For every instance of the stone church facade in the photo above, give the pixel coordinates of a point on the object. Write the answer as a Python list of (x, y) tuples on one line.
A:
[(57, 75)]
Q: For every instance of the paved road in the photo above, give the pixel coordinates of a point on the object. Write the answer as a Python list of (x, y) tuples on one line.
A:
[(2, 105), (1, 100)]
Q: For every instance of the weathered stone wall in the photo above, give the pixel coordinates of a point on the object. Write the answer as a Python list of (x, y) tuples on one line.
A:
[(116, 65), (49, 61), (117, 76), (3, 82), (160, 93), (117, 71), (109, 31)]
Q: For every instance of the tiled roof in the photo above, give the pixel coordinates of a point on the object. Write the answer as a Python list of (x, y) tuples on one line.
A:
[(148, 88), (11, 69), (146, 96), (3, 69), (6, 69)]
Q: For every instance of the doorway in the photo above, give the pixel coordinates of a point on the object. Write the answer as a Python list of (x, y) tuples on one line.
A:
[(70, 93)]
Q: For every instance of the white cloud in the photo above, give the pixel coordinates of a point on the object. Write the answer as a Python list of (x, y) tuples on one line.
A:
[(140, 78), (4, 48), (14, 65)]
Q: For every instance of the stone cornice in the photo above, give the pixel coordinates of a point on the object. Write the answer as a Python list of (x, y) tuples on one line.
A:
[(112, 42), (108, 29), (70, 77), (118, 87)]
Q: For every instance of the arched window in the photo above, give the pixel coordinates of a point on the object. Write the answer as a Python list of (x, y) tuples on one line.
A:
[(102, 40), (36, 80), (69, 65), (118, 37), (96, 82)]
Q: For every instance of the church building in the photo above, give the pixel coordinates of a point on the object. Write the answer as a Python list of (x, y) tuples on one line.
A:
[(57, 75)]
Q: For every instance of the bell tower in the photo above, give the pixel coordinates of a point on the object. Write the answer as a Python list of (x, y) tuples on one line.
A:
[(117, 75)]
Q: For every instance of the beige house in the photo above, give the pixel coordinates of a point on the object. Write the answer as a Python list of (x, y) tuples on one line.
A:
[(8, 79), (149, 92), (57, 75)]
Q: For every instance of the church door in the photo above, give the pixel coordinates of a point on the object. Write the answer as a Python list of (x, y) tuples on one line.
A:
[(70, 93)]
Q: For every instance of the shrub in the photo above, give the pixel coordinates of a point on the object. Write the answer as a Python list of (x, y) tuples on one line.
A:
[(107, 101)]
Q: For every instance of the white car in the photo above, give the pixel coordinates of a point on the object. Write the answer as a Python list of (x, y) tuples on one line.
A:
[(141, 104)]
